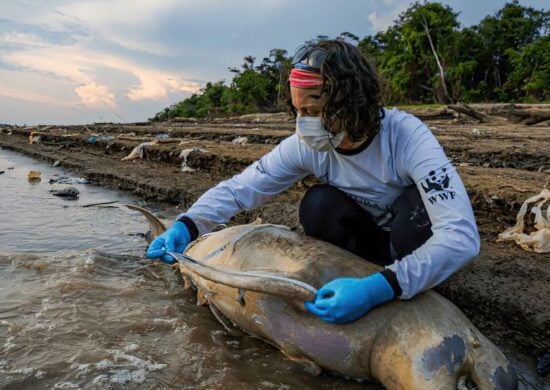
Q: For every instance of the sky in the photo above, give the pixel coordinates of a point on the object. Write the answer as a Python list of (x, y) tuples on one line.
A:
[(85, 61)]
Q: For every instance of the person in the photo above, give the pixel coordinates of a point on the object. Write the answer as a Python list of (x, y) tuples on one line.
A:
[(388, 192)]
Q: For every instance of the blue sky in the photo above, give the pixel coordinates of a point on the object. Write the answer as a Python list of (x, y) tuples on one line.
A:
[(82, 61)]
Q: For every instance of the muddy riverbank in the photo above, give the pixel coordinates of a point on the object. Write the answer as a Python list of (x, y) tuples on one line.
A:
[(504, 290)]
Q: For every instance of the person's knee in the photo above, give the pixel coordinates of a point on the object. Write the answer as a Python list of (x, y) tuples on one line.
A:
[(331, 215), (316, 205)]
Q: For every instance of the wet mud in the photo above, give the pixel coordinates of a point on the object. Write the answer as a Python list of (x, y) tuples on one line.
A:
[(504, 291)]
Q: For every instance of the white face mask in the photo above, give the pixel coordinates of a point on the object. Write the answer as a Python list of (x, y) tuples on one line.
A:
[(311, 132)]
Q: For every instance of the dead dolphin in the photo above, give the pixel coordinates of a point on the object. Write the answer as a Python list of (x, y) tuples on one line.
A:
[(423, 343)]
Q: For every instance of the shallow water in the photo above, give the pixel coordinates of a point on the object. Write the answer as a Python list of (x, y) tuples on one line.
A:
[(71, 317)]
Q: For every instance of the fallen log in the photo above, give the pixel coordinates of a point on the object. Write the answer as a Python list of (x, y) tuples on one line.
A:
[(467, 110), (430, 113), (528, 116)]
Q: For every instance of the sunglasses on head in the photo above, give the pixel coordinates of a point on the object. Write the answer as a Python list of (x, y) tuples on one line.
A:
[(309, 58)]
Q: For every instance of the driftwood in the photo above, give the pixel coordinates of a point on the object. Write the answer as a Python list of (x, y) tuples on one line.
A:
[(183, 120), (430, 113), (528, 116), (467, 110), (513, 113)]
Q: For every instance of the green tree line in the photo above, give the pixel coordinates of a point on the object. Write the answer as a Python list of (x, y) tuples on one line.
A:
[(424, 57)]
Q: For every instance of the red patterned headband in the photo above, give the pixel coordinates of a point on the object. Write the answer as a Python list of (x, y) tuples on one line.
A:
[(304, 78)]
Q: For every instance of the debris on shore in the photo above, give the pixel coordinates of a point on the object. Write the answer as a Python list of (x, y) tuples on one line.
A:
[(34, 176), (539, 239), (69, 193)]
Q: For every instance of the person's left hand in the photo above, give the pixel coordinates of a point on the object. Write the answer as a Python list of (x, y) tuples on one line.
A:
[(347, 299)]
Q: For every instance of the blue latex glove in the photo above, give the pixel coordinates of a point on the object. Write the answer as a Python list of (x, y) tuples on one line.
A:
[(347, 299), (174, 239)]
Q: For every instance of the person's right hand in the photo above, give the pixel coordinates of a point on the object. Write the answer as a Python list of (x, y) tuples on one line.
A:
[(174, 239)]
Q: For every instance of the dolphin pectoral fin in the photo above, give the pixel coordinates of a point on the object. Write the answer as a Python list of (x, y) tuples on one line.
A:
[(307, 364), (231, 329)]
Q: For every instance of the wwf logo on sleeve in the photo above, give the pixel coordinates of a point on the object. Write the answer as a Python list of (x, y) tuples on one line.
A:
[(437, 181), (438, 186)]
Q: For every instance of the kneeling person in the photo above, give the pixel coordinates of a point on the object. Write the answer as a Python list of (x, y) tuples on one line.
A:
[(389, 193)]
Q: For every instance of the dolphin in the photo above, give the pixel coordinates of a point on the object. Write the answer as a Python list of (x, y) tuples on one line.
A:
[(422, 343)]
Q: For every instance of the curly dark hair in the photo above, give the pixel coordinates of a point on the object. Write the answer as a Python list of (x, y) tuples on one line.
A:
[(352, 87)]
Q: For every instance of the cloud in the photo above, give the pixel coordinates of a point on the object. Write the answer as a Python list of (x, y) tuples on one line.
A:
[(61, 46), (137, 14), (19, 39), (79, 65), (155, 84), (95, 95), (30, 96), (129, 13), (57, 32), (382, 19)]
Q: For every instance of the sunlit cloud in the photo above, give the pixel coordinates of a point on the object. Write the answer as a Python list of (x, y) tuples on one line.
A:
[(64, 47), (78, 66), (94, 95)]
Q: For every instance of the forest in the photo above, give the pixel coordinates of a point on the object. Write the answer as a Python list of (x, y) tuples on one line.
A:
[(424, 57)]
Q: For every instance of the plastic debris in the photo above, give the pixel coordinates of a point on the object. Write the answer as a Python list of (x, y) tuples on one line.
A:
[(137, 152), (68, 180), (162, 136), (539, 240), (56, 163), (69, 193), (102, 138), (34, 139), (240, 141), (34, 176), (184, 154), (476, 132)]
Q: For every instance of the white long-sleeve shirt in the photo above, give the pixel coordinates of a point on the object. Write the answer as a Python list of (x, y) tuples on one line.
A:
[(402, 153)]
